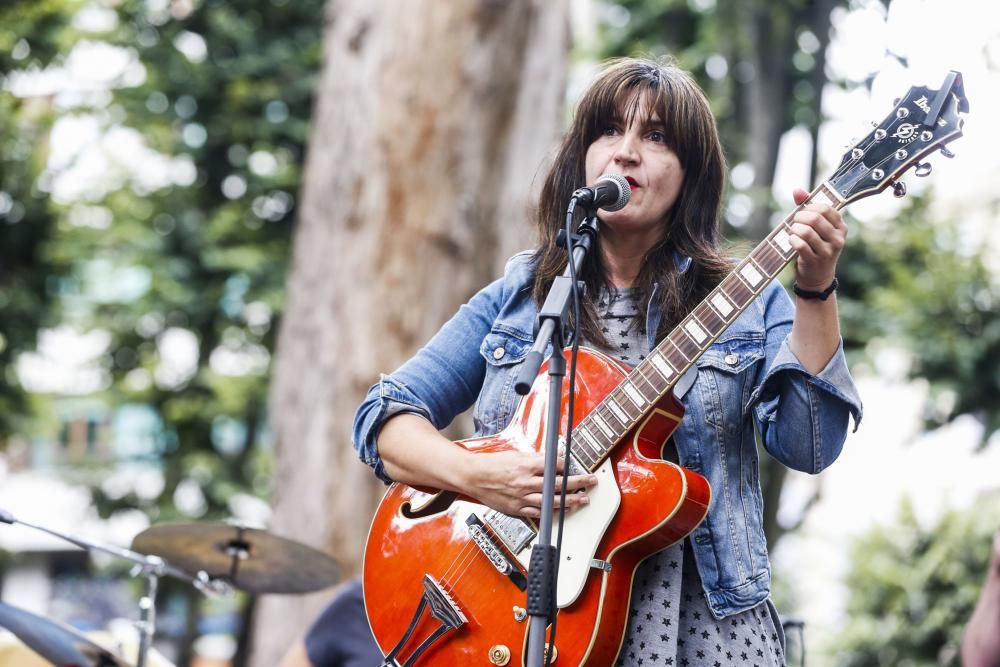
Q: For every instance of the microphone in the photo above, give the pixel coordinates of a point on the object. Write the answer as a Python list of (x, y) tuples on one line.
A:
[(611, 192)]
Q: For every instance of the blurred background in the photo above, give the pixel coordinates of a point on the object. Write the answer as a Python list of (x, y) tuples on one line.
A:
[(220, 220)]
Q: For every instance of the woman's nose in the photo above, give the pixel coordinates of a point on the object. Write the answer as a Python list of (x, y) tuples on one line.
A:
[(627, 151)]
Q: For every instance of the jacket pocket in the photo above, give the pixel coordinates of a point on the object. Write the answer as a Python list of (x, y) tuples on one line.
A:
[(503, 352), (733, 354), (727, 372)]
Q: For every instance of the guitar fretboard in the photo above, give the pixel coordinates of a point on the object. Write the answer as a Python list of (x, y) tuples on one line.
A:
[(626, 405)]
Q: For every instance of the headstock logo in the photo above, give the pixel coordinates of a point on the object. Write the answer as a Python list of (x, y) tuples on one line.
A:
[(906, 132), (923, 104)]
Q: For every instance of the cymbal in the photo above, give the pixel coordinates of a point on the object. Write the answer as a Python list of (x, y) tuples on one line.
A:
[(249, 559), (59, 644)]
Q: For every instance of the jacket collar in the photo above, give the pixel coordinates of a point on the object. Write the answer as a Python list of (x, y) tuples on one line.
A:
[(683, 262)]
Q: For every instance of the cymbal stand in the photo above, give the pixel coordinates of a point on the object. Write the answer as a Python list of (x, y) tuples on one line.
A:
[(151, 571), (151, 568)]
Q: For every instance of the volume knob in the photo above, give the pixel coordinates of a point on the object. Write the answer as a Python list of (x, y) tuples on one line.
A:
[(499, 654)]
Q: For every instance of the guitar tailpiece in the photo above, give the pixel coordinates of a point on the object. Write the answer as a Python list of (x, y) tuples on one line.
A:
[(442, 607)]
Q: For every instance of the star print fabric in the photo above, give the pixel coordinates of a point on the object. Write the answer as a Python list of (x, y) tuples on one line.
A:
[(670, 622), (620, 324)]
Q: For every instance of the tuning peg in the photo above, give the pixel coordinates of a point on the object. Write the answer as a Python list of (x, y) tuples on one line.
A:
[(947, 153), (923, 169), (899, 189), (896, 100)]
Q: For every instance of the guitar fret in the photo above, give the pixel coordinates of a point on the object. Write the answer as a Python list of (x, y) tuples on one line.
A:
[(687, 347), (695, 329), (679, 352), (722, 305), (736, 290), (582, 453), (633, 394), (769, 259), (707, 316), (782, 241), (620, 400), (822, 196), (635, 378), (662, 365), (750, 273), (603, 425), (596, 448), (639, 372), (677, 360), (616, 410)]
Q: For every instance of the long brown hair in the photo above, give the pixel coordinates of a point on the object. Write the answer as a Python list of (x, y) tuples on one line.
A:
[(627, 90)]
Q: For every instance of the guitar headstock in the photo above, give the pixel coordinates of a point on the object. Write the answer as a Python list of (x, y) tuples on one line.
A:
[(923, 121)]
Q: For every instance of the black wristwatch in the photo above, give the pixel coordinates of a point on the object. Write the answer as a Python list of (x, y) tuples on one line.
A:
[(809, 294)]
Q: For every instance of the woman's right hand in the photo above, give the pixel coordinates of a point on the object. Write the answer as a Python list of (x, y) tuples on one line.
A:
[(414, 453), (511, 482)]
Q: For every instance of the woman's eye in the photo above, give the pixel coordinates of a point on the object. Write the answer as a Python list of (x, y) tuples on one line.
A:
[(657, 136), (610, 131)]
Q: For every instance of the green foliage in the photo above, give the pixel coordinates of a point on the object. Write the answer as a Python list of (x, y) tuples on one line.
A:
[(198, 259), (32, 35), (913, 588), (714, 40), (925, 286)]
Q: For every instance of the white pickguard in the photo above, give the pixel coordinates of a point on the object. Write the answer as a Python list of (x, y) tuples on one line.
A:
[(582, 532)]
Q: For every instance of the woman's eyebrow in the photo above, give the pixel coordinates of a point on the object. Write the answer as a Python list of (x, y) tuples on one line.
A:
[(654, 123)]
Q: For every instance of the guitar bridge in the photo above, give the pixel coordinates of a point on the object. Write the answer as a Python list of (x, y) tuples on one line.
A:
[(494, 553), (442, 607)]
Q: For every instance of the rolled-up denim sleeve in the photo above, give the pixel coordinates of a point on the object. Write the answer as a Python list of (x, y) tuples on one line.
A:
[(802, 418), (438, 383)]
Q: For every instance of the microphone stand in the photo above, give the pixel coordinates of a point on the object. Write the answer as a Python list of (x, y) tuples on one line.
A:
[(151, 568), (543, 571)]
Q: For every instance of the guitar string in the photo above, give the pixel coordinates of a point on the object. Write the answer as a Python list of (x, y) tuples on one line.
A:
[(460, 566), (461, 562)]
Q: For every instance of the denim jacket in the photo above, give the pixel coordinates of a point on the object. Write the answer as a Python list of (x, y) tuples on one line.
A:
[(748, 382)]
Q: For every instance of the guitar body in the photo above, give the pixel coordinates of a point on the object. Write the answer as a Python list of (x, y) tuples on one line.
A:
[(641, 505)]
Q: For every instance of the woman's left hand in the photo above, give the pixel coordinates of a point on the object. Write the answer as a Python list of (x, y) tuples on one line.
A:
[(818, 235)]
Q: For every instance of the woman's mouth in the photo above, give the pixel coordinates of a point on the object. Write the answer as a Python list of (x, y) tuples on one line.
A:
[(632, 182)]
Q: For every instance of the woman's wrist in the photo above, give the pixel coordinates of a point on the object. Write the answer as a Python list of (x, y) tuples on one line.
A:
[(460, 469), (821, 293)]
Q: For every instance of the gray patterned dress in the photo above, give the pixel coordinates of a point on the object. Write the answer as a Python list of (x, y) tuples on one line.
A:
[(670, 622)]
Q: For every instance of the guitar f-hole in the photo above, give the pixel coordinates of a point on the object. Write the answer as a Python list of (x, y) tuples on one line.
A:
[(437, 503)]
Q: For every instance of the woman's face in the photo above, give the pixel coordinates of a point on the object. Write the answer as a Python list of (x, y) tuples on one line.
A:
[(640, 154)]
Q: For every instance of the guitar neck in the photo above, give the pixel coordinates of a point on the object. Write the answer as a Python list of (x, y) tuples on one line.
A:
[(625, 406)]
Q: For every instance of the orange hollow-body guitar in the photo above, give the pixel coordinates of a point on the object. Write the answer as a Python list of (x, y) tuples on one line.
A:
[(454, 567)]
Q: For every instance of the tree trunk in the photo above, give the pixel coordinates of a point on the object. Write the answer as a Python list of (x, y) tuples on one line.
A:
[(773, 473), (431, 122), (772, 39)]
